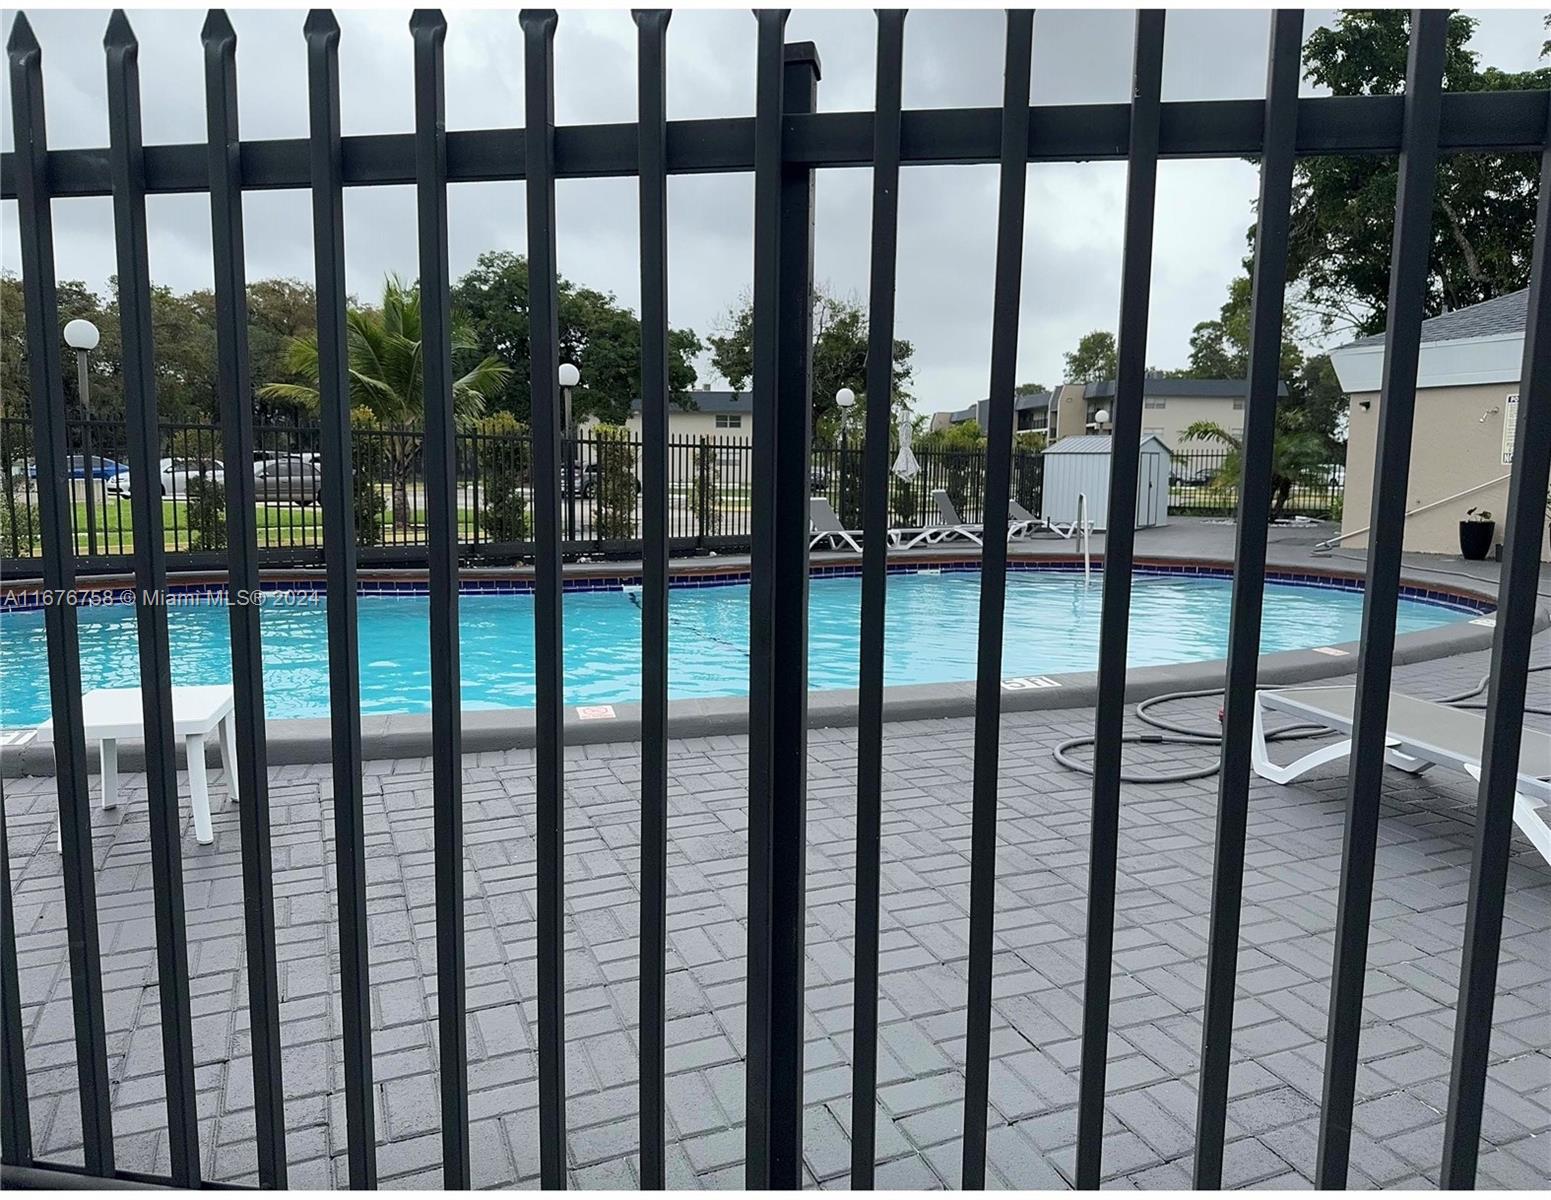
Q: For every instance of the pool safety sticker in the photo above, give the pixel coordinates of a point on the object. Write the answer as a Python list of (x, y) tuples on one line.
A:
[(1028, 683), (1485, 622), (596, 712), (1332, 651)]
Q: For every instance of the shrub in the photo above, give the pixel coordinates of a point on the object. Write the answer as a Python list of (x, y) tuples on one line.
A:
[(197, 444), (849, 459), (21, 528), (904, 500), (368, 465), (614, 489), (501, 445), (705, 494), (206, 512)]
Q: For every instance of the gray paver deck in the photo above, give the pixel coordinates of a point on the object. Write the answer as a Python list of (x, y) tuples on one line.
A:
[(1166, 851)]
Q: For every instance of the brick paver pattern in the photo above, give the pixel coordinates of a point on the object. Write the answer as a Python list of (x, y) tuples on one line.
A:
[(1166, 844)]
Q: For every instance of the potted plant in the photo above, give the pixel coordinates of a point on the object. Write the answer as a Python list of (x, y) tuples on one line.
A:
[(1475, 534)]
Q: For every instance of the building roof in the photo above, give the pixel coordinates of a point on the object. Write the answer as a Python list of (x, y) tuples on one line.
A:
[(1205, 389), (1501, 316), (1095, 443), (707, 400)]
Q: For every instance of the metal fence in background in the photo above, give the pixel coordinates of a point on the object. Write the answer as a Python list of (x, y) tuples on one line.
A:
[(783, 144), (601, 512), (1206, 483)]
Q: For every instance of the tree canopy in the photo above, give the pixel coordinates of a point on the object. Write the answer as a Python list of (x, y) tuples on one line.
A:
[(1094, 360), (1219, 349), (183, 329), (597, 333), (1343, 212), (839, 353)]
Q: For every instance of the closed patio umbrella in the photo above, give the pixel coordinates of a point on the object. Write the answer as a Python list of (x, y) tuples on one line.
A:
[(905, 465)]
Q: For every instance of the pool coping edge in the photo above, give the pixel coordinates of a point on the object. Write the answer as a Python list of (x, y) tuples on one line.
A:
[(292, 741)]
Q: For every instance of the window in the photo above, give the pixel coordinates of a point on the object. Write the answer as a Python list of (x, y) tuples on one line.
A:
[(1152, 431), (729, 421), (1154, 402), (1238, 405)]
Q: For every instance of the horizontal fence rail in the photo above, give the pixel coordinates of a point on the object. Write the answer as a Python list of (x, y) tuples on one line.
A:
[(1499, 122), (82, 493)]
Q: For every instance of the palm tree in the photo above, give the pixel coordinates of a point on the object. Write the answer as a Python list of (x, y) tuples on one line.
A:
[(385, 366), (1297, 455)]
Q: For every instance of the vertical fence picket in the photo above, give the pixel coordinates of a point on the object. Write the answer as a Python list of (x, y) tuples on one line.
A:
[(1381, 593), (127, 158), (1012, 192), (234, 392), (1265, 355), (875, 525), (328, 237), (77, 857), (1511, 644), (538, 27), (652, 164), (428, 28), (1119, 544), (757, 1168)]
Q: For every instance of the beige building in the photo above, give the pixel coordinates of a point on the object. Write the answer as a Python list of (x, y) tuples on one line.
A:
[(704, 413), (1170, 406), (1467, 406)]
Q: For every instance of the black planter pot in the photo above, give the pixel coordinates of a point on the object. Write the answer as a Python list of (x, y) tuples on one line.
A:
[(1475, 539)]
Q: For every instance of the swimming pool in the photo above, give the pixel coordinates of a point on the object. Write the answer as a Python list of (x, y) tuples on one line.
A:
[(1052, 626)]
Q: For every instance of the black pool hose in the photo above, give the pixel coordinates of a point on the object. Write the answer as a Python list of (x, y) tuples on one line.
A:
[(1175, 734)]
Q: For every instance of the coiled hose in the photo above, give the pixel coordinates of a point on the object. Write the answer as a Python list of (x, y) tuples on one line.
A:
[(1174, 734)]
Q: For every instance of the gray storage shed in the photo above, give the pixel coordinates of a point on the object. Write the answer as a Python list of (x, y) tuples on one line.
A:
[(1081, 465)]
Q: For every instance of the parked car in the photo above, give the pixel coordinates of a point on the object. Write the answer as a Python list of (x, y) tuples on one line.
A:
[(175, 474), (1201, 477), (288, 478), (590, 481), (102, 468)]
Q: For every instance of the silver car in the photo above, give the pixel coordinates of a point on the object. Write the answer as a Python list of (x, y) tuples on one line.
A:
[(287, 478)]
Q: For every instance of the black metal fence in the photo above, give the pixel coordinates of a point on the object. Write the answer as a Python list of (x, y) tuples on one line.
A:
[(783, 144), (1206, 483), (709, 490)]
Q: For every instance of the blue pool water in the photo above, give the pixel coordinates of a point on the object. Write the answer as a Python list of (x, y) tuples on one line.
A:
[(1052, 626)]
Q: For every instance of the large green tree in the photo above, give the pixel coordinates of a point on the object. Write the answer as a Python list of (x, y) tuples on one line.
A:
[(1093, 361), (183, 330), (1219, 349), (597, 333), (386, 379), (1344, 208), (839, 354)]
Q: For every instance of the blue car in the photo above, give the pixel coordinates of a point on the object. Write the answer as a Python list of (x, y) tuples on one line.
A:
[(102, 468)]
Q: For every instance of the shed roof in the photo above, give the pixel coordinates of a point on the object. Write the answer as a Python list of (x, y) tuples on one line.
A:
[(1096, 443), (1501, 316)]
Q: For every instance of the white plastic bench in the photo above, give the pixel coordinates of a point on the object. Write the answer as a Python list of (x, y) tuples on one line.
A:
[(197, 711)]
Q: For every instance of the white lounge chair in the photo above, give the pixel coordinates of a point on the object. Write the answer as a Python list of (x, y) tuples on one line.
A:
[(1421, 734), (950, 525), (1021, 523), (825, 525)]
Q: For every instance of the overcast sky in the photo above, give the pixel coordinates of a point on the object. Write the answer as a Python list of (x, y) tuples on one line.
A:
[(947, 214)]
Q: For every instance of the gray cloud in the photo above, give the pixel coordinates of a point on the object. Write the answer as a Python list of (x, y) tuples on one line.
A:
[(948, 214)]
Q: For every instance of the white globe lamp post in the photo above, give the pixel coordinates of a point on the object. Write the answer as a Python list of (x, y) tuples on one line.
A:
[(82, 337)]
